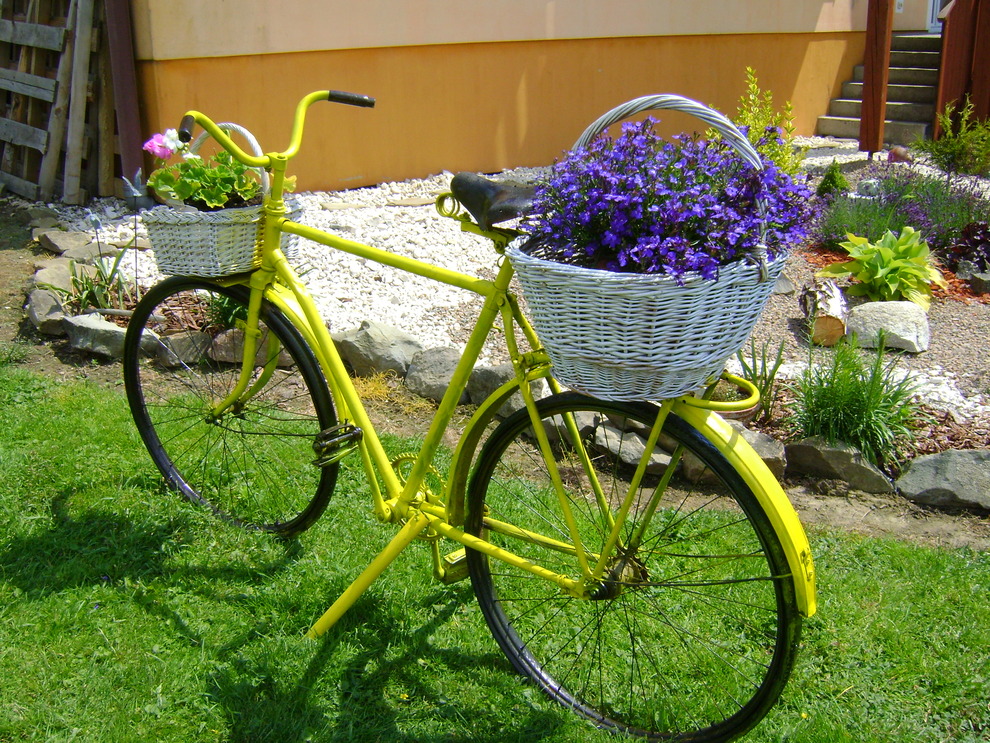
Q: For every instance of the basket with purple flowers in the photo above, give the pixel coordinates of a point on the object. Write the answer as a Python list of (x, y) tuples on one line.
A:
[(648, 261)]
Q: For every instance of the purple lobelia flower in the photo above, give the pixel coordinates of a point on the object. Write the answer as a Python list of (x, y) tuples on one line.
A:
[(641, 204)]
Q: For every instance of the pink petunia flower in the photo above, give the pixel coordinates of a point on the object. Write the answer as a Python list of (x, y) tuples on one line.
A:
[(159, 147)]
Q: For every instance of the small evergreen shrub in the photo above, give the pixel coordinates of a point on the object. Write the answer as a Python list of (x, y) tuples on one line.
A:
[(964, 146), (833, 182), (770, 131), (856, 400)]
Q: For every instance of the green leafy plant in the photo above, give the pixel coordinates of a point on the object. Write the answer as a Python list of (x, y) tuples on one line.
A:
[(208, 185), (225, 311), (893, 268), (856, 401), (964, 145), (833, 182), (101, 288), (760, 366), (770, 131)]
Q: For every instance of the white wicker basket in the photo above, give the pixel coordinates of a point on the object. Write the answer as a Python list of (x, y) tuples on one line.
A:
[(188, 242), (195, 243), (623, 336)]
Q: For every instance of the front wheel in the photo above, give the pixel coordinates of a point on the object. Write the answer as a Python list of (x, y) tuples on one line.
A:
[(252, 463), (691, 632)]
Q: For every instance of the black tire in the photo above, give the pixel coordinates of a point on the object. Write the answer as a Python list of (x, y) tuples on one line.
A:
[(693, 637), (254, 465)]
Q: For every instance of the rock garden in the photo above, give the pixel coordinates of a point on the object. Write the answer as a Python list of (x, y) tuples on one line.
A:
[(900, 251)]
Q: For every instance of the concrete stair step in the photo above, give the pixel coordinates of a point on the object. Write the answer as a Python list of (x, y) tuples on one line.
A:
[(916, 42), (894, 132), (899, 93), (924, 60), (903, 75), (895, 111)]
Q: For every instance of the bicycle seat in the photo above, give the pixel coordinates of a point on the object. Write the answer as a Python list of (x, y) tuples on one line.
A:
[(491, 202)]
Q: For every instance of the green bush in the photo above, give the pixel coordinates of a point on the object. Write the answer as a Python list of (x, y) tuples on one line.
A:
[(964, 145), (894, 267), (856, 401), (833, 182)]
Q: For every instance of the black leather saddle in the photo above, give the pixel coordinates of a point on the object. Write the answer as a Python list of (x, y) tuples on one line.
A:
[(491, 202)]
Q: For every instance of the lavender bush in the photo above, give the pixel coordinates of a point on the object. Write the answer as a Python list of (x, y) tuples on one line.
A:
[(641, 204), (907, 197)]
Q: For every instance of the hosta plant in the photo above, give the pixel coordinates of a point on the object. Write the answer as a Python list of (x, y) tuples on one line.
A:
[(895, 267)]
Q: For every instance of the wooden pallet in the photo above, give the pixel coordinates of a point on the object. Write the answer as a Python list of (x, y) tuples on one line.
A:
[(59, 122)]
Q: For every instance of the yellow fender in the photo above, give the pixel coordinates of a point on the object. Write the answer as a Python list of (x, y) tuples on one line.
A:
[(768, 492)]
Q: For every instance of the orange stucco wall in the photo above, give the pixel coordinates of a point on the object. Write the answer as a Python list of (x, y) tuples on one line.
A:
[(483, 106)]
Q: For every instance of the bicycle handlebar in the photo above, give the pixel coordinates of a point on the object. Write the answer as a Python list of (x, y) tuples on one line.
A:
[(189, 121)]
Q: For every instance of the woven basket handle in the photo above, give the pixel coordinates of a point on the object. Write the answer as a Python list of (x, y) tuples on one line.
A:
[(736, 139), (713, 118), (248, 137)]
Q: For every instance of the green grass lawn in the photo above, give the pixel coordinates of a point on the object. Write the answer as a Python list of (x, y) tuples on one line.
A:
[(127, 614)]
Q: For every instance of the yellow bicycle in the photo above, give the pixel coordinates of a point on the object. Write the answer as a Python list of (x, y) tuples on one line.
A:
[(636, 561)]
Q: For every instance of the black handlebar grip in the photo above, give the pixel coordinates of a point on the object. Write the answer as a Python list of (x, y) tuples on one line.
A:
[(351, 99), (186, 128)]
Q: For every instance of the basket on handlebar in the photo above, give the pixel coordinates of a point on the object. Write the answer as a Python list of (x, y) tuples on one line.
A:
[(189, 242), (646, 336)]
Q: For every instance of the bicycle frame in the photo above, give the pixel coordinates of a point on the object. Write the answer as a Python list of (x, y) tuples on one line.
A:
[(404, 499)]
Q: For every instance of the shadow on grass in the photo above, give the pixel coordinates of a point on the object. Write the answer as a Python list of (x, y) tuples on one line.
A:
[(94, 548), (393, 670), (97, 547)]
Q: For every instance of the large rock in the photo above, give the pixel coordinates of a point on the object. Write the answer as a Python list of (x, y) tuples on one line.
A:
[(374, 348), (630, 447), (91, 252), (44, 309), (228, 348), (430, 372), (957, 478), (56, 273), (904, 324), (486, 379), (93, 334), (59, 242), (816, 457), (184, 348)]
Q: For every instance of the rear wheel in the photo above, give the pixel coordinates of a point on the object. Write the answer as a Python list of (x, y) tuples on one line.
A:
[(253, 463), (689, 636)]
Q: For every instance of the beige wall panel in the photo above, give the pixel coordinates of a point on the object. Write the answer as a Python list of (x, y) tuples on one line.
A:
[(484, 107), (179, 29)]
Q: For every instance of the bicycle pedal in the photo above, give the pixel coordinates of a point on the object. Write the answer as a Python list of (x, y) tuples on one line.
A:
[(335, 443), (454, 567)]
